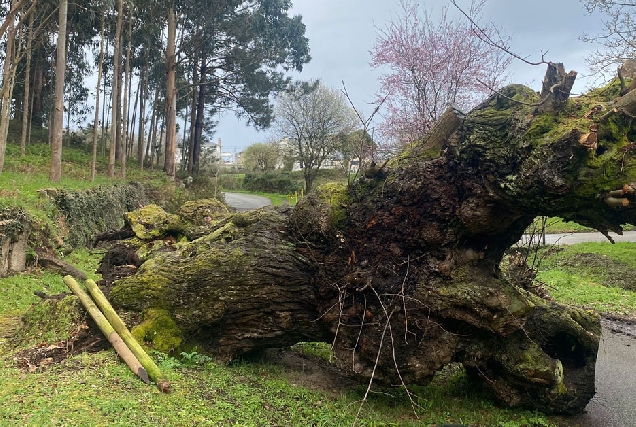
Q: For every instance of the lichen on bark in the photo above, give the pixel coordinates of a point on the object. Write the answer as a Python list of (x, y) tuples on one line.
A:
[(400, 270)]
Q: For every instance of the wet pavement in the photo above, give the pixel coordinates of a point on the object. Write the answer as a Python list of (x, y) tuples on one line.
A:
[(245, 202), (614, 404)]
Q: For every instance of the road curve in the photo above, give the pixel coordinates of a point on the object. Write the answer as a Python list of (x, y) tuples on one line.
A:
[(245, 202)]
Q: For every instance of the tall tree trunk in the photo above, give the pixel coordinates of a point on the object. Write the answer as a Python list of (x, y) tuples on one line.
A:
[(115, 91), (153, 126), (37, 109), (198, 130), (193, 114), (26, 107), (100, 64), (105, 112), (133, 123), (124, 137), (171, 97), (7, 88), (58, 120), (141, 138), (184, 147)]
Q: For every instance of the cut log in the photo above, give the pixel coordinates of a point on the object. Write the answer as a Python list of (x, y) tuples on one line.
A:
[(149, 365), (113, 337)]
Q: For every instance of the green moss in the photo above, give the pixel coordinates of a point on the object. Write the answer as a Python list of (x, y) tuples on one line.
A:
[(52, 320), (336, 196), (150, 287), (158, 329), (152, 222), (202, 212)]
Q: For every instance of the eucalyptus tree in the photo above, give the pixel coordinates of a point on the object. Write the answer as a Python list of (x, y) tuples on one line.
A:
[(60, 72), (18, 10), (115, 90)]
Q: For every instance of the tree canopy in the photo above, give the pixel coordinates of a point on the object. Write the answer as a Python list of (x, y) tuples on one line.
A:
[(313, 118), (434, 64), (161, 59)]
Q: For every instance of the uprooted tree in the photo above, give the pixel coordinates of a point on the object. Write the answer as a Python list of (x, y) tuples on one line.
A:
[(401, 270)]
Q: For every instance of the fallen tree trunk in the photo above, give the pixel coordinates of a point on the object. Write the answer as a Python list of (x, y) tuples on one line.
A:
[(401, 270)]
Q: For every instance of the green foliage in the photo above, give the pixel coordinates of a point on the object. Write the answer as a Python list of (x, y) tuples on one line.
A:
[(97, 210), (272, 182), (261, 157), (231, 182)]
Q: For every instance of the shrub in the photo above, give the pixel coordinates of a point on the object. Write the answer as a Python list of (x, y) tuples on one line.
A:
[(272, 182)]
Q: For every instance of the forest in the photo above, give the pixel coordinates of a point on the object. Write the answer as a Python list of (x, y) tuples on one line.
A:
[(232, 57)]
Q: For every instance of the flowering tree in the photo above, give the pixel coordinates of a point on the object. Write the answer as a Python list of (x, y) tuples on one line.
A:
[(433, 65)]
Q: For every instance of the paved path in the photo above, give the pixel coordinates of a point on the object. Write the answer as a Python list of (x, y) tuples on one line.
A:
[(573, 238), (614, 404), (245, 202)]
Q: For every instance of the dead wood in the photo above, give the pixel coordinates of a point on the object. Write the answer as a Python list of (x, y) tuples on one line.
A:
[(401, 269)]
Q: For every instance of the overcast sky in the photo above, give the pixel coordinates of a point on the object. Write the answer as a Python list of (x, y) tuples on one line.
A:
[(342, 32)]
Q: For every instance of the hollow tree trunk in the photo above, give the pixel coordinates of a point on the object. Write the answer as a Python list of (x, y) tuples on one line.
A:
[(400, 270)]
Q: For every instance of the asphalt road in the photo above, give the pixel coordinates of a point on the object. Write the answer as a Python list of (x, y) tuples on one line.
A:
[(573, 238), (245, 202), (614, 402)]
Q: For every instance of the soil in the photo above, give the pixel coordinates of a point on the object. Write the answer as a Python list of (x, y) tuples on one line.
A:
[(311, 372), (38, 358)]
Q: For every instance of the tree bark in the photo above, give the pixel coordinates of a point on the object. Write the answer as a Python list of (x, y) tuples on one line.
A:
[(401, 269), (26, 105), (171, 97), (8, 75), (200, 116), (100, 67), (143, 95), (126, 102), (58, 119), (114, 138)]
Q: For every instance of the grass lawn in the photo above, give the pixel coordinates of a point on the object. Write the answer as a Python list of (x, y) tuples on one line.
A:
[(596, 275)]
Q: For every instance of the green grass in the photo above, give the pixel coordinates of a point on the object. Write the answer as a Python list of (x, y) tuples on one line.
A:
[(97, 389), (601, 276), (275, 198)]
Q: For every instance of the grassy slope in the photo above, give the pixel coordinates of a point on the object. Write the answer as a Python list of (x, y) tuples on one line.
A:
[(96, 389)]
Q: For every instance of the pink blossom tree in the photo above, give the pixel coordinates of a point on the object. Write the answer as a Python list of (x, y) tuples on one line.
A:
[(433, 64)]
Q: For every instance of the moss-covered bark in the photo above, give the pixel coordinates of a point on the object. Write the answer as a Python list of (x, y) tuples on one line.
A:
[(401, 269)]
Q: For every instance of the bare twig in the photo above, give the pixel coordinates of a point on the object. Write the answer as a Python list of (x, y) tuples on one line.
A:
[(483, 36), (377, 361)]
